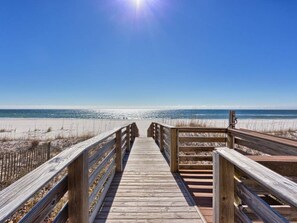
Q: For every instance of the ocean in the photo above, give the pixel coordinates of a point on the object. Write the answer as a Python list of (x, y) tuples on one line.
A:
[(146, 113)]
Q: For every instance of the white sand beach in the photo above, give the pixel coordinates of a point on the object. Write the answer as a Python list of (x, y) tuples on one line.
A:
[(47, 128)]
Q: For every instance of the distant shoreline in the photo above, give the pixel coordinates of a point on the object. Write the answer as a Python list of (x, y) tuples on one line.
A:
[(146, 114)]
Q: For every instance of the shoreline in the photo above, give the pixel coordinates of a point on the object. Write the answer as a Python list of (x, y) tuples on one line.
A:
[(47, 128)]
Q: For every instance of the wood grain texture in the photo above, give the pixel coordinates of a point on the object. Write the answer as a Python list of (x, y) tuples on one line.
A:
[(19, 192), (161, 138), (200, 185), (232, 122), (119, 161), (146, 191), (276, 184), (101, 166), (201, 139), (283, 145), (62, 216), (98, 154), (202, 130), (174, 150), (223, 199), (259, 207), (42, 208), (78, 186)]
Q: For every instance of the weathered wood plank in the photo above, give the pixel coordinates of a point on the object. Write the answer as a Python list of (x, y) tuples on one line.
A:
[(196, 148), (241, 215), (283, 145), (101, 166), (174, 150), (101, 182), (78, 186), (43, 207), (146, 188), (278, 185), (202, 139), (119, 159), (98, 154), (62, 216), (196, 166), (19, 192), (195, 158), (223, 199), (259, 207), (101, 199), (202, 130)]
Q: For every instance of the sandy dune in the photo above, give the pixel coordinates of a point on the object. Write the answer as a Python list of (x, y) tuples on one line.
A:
[(44, 128)]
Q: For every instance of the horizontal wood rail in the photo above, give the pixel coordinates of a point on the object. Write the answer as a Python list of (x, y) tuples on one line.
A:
[(262, 187), (194, 141), (177, 144), (231, 170), (84, 172), (166, 138), (265, 143)]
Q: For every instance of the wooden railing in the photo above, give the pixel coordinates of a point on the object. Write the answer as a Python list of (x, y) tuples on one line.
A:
[(182, 145), (262, 187), (80, 177), (262, 142), (240, 188), (166, 138)]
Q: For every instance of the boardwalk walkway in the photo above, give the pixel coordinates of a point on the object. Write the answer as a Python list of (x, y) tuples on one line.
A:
[(147, 191)]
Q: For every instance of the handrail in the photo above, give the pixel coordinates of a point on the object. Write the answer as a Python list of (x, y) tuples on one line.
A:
[(257, 139), (238, 178), (22, 190), (226, 162), (170, 141), (166, 137), (269, 179), (164, 125), (202, 129)]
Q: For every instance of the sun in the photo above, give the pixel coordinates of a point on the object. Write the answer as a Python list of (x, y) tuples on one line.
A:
[(138, 3)]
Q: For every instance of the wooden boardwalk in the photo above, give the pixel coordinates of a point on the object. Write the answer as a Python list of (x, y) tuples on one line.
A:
[(200, 185), (146, 191)]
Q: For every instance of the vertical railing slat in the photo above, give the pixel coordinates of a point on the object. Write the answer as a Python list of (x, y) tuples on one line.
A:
[(223, 199), (174, 150), (232, 122), (78, 187), (161, 138), (119, 162)]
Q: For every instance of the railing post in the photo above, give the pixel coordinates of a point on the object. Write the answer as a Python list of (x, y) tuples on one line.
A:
[(150, 131), (156, 134), (154, 130), (128, 137), (174, 150), (119, 163), (161, 139), (136, 130), (223, 199), (232, 123), (78, 186)]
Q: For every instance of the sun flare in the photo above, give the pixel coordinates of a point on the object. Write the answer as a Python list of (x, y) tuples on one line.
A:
[(138, 3)]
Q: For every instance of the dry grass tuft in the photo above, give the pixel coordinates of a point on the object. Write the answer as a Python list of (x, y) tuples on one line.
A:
[(34, 144)]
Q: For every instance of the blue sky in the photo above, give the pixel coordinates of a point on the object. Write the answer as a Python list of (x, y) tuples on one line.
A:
[(113, 53)]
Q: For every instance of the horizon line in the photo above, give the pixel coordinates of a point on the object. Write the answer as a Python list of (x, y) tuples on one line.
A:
[(91, 107)]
